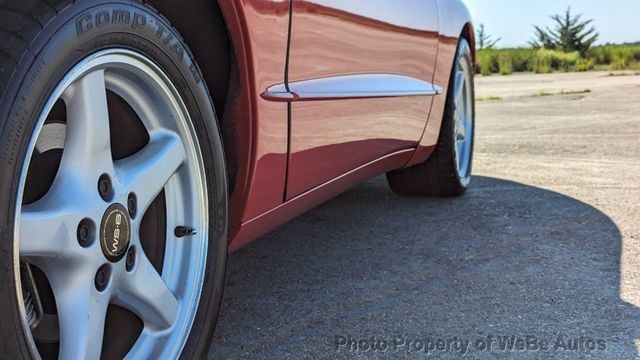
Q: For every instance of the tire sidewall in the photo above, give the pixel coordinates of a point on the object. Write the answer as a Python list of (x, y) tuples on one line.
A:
[(463, 52), (77, 32)]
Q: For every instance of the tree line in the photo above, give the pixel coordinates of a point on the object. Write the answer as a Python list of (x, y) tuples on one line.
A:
[(568, 45)]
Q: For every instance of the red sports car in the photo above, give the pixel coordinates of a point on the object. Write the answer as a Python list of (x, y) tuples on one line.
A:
[(142, 141)]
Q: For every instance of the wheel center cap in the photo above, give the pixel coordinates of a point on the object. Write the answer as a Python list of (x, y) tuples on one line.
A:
[(115, 232)]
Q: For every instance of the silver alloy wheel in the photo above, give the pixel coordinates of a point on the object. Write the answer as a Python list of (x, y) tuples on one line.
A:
[(46, 232), (463, 117)]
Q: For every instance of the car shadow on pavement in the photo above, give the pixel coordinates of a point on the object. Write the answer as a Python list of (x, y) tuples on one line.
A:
[(506, 259)]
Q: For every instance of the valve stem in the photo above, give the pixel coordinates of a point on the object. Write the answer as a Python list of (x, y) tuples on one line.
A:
[(182, 231)]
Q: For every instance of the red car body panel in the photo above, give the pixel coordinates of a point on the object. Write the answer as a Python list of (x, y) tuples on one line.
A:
[(332, 92), (259, 32), (333, 38)]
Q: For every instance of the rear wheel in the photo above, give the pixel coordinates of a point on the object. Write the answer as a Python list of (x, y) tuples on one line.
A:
[(113, 205), (448, 171)]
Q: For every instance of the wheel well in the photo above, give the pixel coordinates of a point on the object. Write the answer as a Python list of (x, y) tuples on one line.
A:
[(203, 28), (469, 34)]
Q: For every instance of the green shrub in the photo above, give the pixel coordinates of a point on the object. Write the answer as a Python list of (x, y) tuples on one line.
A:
[(600, 55), (505, 64), (615, 56), (565, 61), (584, 65), (485, 68), (542, 61), (487, 62), (619, 63), (520, 58)]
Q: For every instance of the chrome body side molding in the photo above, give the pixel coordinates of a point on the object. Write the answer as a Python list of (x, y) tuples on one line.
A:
[(351, 87)]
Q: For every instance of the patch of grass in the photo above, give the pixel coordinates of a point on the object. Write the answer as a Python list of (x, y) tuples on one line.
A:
[(616, 74), (489, 98), (562, 92), (573, 92)]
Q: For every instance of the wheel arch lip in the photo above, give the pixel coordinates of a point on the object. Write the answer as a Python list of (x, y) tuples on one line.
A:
[(233, 14), (260, 126), (216, 29), (469, 33), (456, 22)]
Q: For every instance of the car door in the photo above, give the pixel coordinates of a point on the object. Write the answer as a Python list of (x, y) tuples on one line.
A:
[(360, 81)]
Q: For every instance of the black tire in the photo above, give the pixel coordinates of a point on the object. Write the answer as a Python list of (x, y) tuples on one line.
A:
[(438, 176), (40, 40)]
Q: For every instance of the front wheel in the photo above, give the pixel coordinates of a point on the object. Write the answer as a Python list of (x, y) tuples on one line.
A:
[(113, 193), (448, 171)]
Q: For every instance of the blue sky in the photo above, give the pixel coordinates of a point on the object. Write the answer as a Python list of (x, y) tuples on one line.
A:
[(513, 20)]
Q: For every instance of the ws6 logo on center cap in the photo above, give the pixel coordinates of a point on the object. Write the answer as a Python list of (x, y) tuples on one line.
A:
[(115, 232)]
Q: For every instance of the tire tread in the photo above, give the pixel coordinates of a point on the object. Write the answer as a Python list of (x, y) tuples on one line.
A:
[(20, 23)]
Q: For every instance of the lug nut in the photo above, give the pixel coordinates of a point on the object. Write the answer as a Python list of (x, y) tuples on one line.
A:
[(85, 233), (131, 258), (105, 188), (132, 205), (102, 277)]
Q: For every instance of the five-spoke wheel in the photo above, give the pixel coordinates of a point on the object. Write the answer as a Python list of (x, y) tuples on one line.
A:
[(88, 232)]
